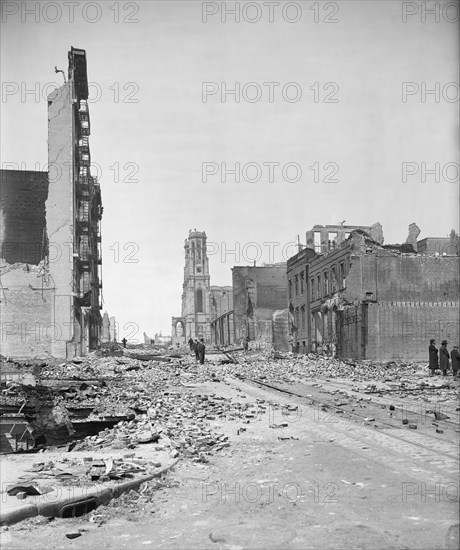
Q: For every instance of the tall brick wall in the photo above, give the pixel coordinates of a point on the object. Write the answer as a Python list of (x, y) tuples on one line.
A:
[(411, 277), (417, 298), (402, 330), (26, 327), (26, 293)]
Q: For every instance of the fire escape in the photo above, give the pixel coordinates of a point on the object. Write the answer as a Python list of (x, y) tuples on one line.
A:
[(88, 216)]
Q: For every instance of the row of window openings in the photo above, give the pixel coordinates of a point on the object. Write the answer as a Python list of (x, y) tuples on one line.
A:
[(322, 286)]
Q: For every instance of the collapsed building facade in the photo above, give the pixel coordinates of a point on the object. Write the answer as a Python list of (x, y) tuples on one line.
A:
[(364, 300), (51, 238)]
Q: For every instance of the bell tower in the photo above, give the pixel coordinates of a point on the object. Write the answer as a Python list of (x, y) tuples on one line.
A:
[(196, 307)]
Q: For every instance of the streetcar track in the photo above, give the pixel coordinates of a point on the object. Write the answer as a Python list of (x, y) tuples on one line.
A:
[(317, 401), (341, 386)]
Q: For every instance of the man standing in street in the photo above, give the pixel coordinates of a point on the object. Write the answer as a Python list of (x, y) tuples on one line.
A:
[(455, 356), (196, 347), (444, 358), (190, 343), (433, 355), (202, 351)]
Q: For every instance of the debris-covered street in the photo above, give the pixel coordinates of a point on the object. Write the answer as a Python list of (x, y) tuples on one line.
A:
[(252, 449), (229, 275)]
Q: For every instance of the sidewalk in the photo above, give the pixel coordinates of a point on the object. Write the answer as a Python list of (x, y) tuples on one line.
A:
[(59, 497)]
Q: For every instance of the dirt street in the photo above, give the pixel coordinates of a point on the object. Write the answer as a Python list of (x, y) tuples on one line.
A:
[(297, 474)]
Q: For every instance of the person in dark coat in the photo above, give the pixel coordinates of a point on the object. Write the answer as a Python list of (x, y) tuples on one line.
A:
[(202, 351), (190, 343), (455, 356), (196, 347), (433, 355), (444, 358)]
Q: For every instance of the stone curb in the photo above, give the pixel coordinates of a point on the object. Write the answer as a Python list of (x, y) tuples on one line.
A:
[(53, 502)]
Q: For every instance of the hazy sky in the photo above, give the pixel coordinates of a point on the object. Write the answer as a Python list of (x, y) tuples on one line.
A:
[(355, 111)]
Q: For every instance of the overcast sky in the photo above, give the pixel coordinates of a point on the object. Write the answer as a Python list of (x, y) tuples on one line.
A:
[(355, 111)]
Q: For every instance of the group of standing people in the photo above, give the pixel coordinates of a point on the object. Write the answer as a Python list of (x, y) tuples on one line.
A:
[(199, 348), (445, 358)]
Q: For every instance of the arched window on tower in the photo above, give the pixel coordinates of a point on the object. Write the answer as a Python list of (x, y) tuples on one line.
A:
[(199, 301)]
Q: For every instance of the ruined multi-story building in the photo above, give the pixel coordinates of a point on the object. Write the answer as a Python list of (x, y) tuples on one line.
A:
[(50, 249), (366, 300), (257, 293), (321, 240)]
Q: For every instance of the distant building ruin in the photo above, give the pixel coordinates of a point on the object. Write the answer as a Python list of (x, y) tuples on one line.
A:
[(257, 293)]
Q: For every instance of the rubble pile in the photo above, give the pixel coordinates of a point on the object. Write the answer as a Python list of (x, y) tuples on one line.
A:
[(382, 379), (178, 420), (151, 400), (292, 367), (155, 401)]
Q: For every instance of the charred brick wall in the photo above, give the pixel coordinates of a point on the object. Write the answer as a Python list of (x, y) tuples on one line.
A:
[(23, 235)]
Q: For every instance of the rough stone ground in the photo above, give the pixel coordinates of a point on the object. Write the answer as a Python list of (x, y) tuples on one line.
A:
[(322, 481)]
